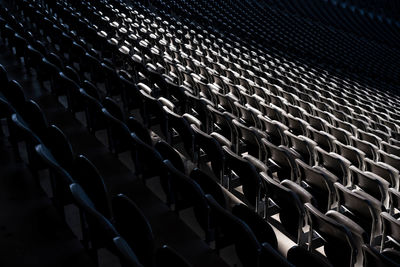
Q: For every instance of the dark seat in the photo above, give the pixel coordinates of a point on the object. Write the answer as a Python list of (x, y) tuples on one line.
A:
[(211, 148), (187, 193), (361, 208), (135, 228), (102, 234), (318, 183), (239, 168), (373, 258), (340, 246)]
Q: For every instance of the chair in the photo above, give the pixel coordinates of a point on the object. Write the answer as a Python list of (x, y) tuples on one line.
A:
[(371, 183), (323, 139), (261, 229), (187, 193), (394, 201), (383, 170), (303, 146), (333, 163), (101, 233), (247, 175), (373, 258), (354, 155), (390, 159), (361, 208), (169, 153), (133, 225), (179, 124), (209, 185), (250, 139), (318, 183), (275, 130), (391, 230), (291, 211), (89, 178), (166, 256), (280, 161), (370, 150), (230, 229), (340, 246), (211, 148)]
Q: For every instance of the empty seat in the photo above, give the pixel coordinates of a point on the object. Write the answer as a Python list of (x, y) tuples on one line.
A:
[(333, 163), (340, 247)]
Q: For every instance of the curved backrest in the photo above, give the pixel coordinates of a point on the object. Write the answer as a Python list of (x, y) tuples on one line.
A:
[(282, 159), (247, 246), (222, 123), (169, 153), (14, 94), (373, 258), (320, 184), (383, 170), (139, 129), (291, 212), (361, 208), (333, 163), (133, 225), (87, 175), (180, 125), (34, 116), (188, 193), (250, 138), (261, 229), (275, 130), (118, 133), (209, 185), (339, 247), (391, 228), (113, 108), (58, 144), (212, 148), (101, 232), (247, 173), (371, 183)]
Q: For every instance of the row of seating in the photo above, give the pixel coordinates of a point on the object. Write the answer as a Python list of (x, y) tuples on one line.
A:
[(242, 120)]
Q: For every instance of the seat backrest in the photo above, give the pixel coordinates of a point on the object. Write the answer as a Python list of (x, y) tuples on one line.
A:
[(247, 246), (57, 142), (360, 208), (102, 232), (340, 247), (261, 229), (394, 202), (390, 159), (188, 192), (89, 178), (169, 153), (133, 225), (391, 228), (333, 163), (247, 173), (383, 170), (291, 211), (354, 155), (212, 148), (373, 258), (370, 183)]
